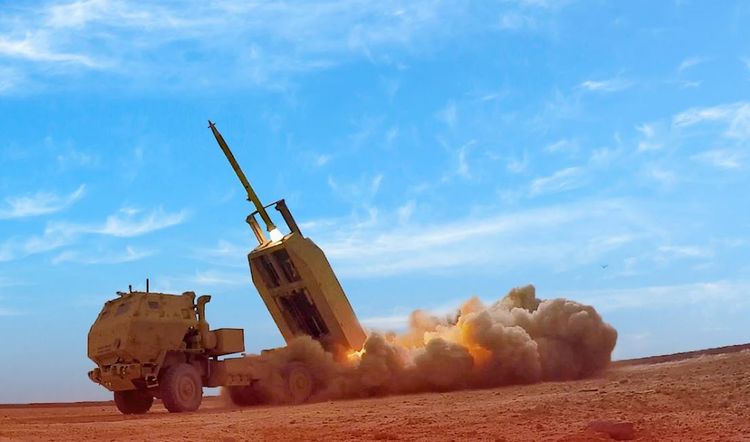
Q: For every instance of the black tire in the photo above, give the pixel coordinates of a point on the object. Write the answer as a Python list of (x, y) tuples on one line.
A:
[(181, 388), (300, 382), (133, 401), (245, 396)]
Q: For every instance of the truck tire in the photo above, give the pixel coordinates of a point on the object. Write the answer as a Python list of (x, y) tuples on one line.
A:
[(246, 395), (133, 401), (299, 381), (181, 388)]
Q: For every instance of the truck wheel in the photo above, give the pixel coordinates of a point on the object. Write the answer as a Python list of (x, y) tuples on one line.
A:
[(299, 381), (244, 396), (133, 401), (181, 388)]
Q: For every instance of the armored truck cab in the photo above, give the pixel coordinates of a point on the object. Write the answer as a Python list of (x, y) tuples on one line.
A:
[(148, 345), (159, 345)]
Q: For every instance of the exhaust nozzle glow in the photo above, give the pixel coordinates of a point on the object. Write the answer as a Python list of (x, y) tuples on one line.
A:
[(276, 235)]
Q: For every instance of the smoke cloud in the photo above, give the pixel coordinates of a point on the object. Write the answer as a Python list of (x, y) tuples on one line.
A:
[(518, 339)]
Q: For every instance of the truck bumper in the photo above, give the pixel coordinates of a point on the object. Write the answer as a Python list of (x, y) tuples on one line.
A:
[(117, 377)]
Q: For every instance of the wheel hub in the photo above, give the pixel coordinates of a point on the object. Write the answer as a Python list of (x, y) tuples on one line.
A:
[(186, 389), (300, 384)]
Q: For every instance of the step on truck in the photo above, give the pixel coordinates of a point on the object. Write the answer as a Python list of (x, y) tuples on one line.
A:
[(150, 345)]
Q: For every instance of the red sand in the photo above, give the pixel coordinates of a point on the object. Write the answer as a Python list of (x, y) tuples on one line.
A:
[(697, 396)]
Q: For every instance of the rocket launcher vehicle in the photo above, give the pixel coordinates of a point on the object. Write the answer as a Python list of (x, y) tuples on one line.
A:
[(159, 345), (295, 279)]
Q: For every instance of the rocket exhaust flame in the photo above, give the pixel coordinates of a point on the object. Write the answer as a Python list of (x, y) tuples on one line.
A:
[(355, 356), (276, 235), (518, 339)]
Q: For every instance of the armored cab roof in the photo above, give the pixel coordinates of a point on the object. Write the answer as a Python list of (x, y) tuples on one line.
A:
[(140, 327), (123, 295)]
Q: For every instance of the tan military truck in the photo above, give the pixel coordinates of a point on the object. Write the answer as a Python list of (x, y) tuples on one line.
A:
[(149, 345)]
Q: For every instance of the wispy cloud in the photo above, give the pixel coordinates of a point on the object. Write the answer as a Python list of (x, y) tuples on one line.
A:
[(691, 62), (723, 292), (125, 223), (664, 177), (604, 156), (689, 133), (130, 254), (74, 158), (10, 80), (721, 158), (560, 107), (225, 249), (214, 277), (448, 114), (33, 49), (745, 62), (649, 139), (564, 145), (518, 165), (514, 21), (405, 212), (361, 191), (562, 180), (53, 237), (80, 13), (688, 84), (462, 169), (321, 160), (40, 203), (544, 4), (607, 85), (228, 254), (685, 252), (260, 41), (478, 242), (389, 323), (735, 115)]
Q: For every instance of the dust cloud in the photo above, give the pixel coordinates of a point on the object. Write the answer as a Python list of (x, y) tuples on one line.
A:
[(518, 339)]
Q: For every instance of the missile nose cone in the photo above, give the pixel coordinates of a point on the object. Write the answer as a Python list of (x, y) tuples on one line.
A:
[(211, 124)]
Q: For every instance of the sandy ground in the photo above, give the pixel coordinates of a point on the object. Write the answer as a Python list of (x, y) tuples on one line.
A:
[(681, 398)]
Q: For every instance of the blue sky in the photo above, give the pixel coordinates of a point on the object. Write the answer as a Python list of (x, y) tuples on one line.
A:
[(435, 150)]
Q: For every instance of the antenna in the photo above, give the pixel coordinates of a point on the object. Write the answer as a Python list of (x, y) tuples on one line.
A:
[(146, 285)]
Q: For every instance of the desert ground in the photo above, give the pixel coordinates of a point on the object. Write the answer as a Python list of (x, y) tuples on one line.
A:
[(702, 396)]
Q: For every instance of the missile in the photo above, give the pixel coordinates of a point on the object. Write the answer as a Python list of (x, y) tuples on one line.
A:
[(251, 195)]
